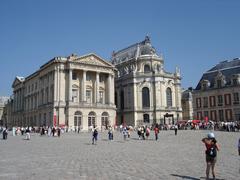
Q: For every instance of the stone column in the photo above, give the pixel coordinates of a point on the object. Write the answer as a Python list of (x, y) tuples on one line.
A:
[(109, 89), (84, 86), (112, 90), (70, 85), (55, 85), (97, 88)]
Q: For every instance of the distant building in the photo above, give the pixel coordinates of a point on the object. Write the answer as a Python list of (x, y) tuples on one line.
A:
[(187, 108), (216, 96), (3, 101), (144, 92), (77, 91)]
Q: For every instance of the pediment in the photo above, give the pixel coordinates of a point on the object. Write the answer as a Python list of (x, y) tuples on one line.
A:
[(93, 59), (17, 81)]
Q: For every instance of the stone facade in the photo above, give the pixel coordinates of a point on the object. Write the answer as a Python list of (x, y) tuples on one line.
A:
[(76, 91), (3, 101), (145, 93), (187, 104), (216, 96)]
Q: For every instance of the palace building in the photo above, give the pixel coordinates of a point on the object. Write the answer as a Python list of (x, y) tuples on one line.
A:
[(144, 92), (77, 91), (216, 96)]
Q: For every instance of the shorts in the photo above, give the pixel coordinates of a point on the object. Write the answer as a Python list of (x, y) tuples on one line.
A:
[(211, 159)]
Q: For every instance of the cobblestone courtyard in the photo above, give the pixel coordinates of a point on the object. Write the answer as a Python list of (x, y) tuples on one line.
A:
[(72, 156)]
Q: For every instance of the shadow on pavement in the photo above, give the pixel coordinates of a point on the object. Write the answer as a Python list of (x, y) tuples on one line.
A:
[(185, 177)]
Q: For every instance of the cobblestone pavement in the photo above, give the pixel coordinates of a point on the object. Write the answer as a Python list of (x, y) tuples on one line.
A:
[(72, 156)]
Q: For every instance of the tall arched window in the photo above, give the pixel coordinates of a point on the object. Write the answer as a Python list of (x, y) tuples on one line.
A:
[(105, 120), (145, 97), (77, 119), (91, 119), (169, 97), (147, 68)]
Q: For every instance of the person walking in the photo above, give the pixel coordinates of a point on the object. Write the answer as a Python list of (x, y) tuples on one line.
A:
[(156, 131), (175, 129), (239, 147), (147, 132), (211, 153), (27, 134), (94, 135), (110, 133), (124, 133), (5, 133), (59, 131)]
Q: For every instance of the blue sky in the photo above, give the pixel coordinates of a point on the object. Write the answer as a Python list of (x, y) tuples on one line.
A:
[(192, 34)]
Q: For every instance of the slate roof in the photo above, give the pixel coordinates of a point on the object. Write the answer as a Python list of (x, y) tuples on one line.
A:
[(134, 51), (227, 68)]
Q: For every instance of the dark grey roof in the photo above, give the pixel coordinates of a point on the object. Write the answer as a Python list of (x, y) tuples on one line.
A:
[(134, 51), (227, 68)]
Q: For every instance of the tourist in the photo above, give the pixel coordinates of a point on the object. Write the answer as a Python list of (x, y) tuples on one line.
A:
[(139, 132), (175, 129), (94, 135), (124, 133), (110, 133), (211, 153), (53, 131), (239, 147), (58, 131), (156, 131), (22, 130), (27, 134), (147, 132), (5, 133), (49, 131)]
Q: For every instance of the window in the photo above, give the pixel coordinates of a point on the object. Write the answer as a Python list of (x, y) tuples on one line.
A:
[(205, 114), (227, 98), (101, 97), (205, 102), (235, 98), (212, 101), (46, 92), (88, 77), (221, 116), (74, 76), (213, 115), (228, 113), (198, 102), (101, 78), (235, 82), (199, 115), (169, 97), (105, 121), (146, 118), (91, 119), (89, 96), (74, 95), (145, 97), (147, 68), (77, 119), (219, 83), (36, 86), (204, 86), (220, 100)]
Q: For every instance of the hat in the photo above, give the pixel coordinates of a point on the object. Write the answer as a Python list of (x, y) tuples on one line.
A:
[(211, 135)]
